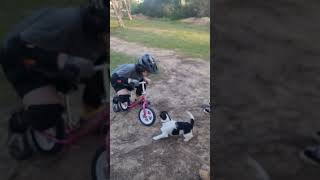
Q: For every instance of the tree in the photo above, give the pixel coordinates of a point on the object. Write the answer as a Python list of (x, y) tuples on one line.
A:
[(117, 12), (127, 4)]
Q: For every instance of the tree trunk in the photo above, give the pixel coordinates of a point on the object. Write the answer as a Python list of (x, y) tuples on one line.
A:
[(127, 8), (116, 12)]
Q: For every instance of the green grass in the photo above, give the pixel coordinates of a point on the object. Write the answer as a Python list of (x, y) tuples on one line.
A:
[(120, 58), (190, 40)]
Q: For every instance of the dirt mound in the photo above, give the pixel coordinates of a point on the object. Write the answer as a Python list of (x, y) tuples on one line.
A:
[(197, 21)]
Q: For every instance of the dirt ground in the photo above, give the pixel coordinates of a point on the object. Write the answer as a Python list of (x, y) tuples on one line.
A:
[(267, 87), (197, 21), (183, 84)]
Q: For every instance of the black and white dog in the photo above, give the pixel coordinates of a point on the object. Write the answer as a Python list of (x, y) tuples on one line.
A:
[(171, 127)]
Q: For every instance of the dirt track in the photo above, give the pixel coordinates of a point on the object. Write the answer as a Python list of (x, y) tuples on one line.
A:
[(267, 86), (183, 84)]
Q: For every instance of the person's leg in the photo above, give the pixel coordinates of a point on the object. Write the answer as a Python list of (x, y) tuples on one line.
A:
[(124, 98), (32, 87), (42, 111), (43, 107), (122, 90)]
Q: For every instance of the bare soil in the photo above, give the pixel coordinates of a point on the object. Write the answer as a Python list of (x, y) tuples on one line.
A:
[(267, 87), (197, 21), (183, 84), (140, 16)]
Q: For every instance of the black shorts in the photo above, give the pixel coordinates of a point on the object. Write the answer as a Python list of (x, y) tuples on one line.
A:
[(118, 83), (22, 80)]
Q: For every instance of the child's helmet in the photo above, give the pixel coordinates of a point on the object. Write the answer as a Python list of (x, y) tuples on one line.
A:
[(149, 63)]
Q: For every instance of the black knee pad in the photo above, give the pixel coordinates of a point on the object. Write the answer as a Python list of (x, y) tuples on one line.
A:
[(41, 117), (124, 98)]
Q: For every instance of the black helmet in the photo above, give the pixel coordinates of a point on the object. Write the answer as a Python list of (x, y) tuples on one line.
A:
[(149, 63)]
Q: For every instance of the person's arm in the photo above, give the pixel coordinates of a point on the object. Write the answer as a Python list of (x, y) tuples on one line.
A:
[(146, 79)]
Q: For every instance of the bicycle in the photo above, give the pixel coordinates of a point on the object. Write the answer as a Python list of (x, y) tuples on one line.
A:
[(146, 115), (68, 131)]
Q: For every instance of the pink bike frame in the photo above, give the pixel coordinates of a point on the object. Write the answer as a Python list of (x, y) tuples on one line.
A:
[(143, 100), (74, 135)]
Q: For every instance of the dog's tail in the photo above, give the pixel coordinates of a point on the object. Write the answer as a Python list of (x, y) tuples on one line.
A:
[(191, 118)]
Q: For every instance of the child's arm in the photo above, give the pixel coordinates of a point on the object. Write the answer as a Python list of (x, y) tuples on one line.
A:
[(147, 80)]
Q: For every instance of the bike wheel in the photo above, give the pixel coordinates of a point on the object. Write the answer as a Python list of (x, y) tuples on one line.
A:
[(46, 144), (123, 107), (100, 165), (147, 119)]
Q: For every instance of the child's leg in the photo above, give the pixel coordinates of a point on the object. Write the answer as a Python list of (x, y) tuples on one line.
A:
[(124, 98)]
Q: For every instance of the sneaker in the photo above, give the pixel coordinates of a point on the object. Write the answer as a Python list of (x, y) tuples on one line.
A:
[(311, 155)]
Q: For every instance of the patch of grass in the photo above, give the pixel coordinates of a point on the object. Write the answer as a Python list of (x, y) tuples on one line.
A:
[(117, 58), (188, 39)]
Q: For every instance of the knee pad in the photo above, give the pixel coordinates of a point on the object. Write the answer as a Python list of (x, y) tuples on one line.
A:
[(124, 98), (41, 117)]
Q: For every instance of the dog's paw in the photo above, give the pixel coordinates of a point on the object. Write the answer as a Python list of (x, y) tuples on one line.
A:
[(155, 138)]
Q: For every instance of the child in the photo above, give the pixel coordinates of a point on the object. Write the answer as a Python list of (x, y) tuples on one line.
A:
[(126, 77)]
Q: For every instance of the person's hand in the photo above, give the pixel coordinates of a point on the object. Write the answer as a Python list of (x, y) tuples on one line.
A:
[(147, 80), (84, 68)]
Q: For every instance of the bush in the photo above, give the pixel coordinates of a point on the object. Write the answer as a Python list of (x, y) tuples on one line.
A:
[(172, 8)]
